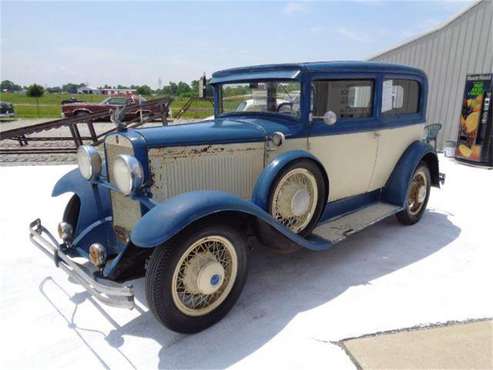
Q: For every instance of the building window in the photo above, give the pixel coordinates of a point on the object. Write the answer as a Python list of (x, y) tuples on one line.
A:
[(400, 97), (346, 98)]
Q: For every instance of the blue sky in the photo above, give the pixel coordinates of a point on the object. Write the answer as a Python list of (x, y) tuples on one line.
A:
[(138, 42)]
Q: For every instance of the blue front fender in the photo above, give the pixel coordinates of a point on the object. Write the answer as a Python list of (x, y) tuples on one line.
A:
[(172, 216), (94, 220)]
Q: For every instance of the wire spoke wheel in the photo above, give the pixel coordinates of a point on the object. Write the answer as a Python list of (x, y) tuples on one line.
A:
[(295, 198), (418, 190), (204, 275)]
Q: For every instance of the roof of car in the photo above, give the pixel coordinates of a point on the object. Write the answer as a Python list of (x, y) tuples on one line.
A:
[(333, 66)]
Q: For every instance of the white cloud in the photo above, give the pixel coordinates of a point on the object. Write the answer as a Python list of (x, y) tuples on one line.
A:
[(294, 8), (353, 35)]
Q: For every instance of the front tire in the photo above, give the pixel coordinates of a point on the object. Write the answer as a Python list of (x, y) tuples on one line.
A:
[(194, 280), (417, 196)]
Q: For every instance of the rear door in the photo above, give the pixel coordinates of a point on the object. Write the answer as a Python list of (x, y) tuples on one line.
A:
[(402, 120), (348, 148)]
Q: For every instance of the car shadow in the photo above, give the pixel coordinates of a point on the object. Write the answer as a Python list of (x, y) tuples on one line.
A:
[(281, 286)]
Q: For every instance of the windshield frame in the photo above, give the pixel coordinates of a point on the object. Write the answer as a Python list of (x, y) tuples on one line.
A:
[(218, 90)]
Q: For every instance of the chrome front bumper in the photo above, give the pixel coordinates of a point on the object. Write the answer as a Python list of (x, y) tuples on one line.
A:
[(106, 291)]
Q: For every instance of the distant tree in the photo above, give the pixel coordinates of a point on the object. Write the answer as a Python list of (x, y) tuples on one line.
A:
[(183, 89), (144, 90), (35, 91), (122, 87), (195, 87), (9, 86), (173, 87)]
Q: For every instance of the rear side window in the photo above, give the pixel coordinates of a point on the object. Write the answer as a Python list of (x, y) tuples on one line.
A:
[(346, 98), (400, 97)]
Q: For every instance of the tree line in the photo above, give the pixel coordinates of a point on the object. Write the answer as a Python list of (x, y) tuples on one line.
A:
[(172, 89)]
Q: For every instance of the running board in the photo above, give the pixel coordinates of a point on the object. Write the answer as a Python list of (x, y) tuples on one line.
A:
[(339, 228)]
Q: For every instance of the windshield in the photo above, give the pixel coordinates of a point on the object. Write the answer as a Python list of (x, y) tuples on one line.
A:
[(115, 101), (281, 97)]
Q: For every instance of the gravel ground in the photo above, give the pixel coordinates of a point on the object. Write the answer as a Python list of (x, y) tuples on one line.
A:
[(48, 159), (294, 310)]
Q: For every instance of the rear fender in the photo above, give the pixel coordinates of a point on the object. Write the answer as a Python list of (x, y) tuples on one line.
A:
[(264, 182), (169, 218), (395, 190)]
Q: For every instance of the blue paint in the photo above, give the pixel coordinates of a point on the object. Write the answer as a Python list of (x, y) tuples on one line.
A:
[(95, 206), (170, 217), (286, 74), (395, 190), (312, 67), (241, 129), (215, 279), (264, 182)]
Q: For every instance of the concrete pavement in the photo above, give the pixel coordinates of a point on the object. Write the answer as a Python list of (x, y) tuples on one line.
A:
[(293, 310)]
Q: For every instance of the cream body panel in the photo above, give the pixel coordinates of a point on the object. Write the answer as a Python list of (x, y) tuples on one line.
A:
[(233, 168), (349, 160), (391, 145)]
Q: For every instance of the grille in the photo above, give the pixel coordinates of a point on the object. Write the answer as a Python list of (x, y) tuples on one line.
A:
[(233, 168), (126, 211)]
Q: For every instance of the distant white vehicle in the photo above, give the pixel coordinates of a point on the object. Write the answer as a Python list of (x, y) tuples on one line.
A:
[(259, 105)]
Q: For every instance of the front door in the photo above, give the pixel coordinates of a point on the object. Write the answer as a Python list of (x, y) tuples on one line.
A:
[(348, 148)]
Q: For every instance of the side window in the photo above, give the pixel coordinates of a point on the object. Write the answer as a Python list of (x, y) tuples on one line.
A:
[(346, 98), (400, 97)]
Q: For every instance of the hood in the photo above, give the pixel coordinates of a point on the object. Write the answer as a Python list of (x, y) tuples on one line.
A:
[(217, 131)]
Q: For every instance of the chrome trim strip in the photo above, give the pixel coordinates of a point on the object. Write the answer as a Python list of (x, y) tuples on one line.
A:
[(105, 291)]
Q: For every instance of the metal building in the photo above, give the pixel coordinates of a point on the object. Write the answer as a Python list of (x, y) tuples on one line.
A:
[(462, 46)]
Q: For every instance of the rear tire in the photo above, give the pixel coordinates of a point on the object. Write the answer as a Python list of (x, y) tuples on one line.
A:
[(195, 279), (417, 196)]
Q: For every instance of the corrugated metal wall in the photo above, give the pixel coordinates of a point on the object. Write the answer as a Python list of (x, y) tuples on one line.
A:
[(462, 46)]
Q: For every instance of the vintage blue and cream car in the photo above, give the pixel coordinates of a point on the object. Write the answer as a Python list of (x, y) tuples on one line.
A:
[(325, 150)]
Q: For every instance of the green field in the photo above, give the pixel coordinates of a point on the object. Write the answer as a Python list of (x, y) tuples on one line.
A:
[(49, 105)]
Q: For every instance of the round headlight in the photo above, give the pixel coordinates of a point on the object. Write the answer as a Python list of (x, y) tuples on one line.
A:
[(127, 173), (278, 138), (89, 162)]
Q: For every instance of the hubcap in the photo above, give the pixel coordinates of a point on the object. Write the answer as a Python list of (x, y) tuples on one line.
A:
[(204, 275), (210, 277), (418, 190), (300, 202), (295, 199)]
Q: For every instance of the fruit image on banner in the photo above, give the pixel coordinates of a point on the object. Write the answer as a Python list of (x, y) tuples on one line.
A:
[(474, 116)]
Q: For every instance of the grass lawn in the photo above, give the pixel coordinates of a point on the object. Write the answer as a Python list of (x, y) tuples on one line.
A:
[(49, 105)]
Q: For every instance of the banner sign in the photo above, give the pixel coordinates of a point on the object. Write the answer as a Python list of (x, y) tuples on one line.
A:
[(474, 119)]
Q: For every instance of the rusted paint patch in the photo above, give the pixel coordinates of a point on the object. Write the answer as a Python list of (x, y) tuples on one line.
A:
[(191, 151), (233, 168)]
